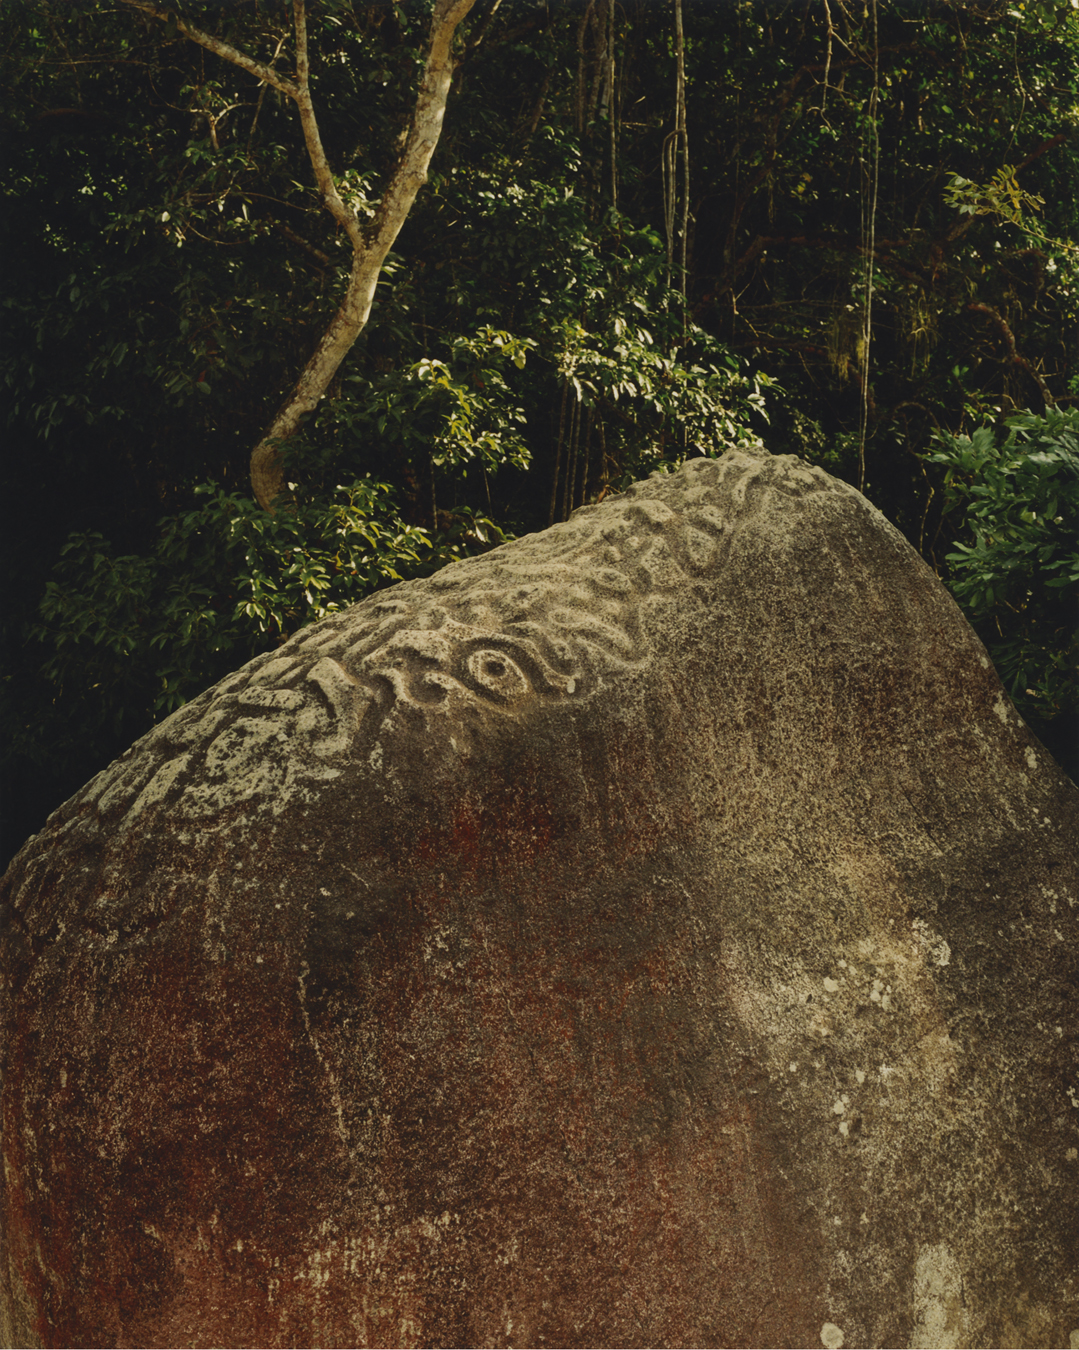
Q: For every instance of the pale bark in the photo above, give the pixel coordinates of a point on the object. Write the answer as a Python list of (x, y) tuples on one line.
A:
[(264, 73), (370, 245)]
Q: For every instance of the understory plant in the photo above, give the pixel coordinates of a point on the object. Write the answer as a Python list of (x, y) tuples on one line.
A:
[(134, 636), (1016, 574)]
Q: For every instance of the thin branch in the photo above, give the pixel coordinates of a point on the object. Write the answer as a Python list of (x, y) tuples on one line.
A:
[(578, 98), (323, 176), (612, 108), (298, 239), (481, 31), (827, 59), (262, 94), (537, 111), (219, 48), (558, 451), (869, 247), (1013, 352), (571, 459), (675, 149), (1042, 149), (680, 98), (882, 254)]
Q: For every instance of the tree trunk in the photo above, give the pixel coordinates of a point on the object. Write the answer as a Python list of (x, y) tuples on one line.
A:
[(369, 245)]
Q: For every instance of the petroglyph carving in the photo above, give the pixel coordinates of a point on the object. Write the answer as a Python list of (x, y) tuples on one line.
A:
[(546, 618)]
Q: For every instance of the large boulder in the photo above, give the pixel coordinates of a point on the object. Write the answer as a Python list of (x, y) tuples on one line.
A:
[(659, 931)]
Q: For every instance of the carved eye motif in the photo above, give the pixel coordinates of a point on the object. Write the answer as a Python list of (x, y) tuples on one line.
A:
[(497, 674)]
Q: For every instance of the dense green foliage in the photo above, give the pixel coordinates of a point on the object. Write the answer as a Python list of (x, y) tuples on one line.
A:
[(1019, 579), (880, 259)]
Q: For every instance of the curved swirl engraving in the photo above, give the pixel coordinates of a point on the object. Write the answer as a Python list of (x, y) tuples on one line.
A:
[(547, 618)]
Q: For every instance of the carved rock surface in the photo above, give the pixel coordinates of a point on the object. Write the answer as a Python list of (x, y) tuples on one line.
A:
[(659, 931)]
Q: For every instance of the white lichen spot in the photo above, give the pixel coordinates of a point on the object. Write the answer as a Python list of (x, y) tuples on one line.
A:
[(830, 986), (1073, 1339), (841, 1105), (865, 1218), (1000, 707), (860, 1075), (1032, 758), (793, 1068), (1072, 1155), (939, 1319), (844, 1128), (936, 946), (985, 661), (831, 1336)]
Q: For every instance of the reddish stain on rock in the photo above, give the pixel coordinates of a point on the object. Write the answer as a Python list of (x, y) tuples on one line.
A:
[(660, 931)]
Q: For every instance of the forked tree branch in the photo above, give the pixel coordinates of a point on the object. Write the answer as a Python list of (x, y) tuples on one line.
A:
[(370, 245), (323, 175), (369, 252)]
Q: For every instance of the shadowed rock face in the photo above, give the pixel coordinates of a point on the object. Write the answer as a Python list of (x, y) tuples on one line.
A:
[(659, 931)]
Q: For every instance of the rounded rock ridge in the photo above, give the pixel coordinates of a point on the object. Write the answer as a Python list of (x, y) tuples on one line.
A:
[(660, 930)]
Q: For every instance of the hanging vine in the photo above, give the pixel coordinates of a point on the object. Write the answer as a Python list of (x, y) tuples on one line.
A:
[(612, 114), (551, 514), (675, 152), (870, 185)]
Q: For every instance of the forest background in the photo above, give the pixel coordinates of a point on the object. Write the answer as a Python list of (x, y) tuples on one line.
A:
[(651, 228)]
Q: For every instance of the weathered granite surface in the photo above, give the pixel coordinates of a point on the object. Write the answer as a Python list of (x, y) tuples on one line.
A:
[(659, 931)]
